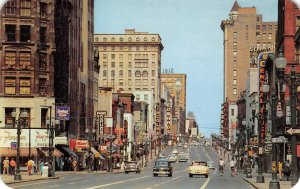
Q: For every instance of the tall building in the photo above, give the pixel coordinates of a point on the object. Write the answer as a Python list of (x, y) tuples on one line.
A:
[(131, 63), (74, 63), (176, 84), (245, 36), (27, 62)]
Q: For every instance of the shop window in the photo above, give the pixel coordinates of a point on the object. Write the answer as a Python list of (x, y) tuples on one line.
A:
[(10, 7)]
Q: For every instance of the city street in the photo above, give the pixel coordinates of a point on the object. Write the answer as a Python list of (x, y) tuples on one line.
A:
[(145, 179)]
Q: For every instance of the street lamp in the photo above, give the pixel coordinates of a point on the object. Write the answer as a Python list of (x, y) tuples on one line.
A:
[(293, 81), (23, 114)]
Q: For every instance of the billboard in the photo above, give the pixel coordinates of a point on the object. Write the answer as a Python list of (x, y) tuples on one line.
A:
[(62, 112)]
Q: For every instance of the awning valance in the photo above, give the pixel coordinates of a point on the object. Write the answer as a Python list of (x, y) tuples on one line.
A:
[(23, 152), (68, 151)]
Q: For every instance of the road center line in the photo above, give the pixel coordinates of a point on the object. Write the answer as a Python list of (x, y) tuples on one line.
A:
[(114, 183), (205, 184)]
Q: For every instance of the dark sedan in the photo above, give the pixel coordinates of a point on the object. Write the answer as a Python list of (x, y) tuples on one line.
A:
[(162, 167)]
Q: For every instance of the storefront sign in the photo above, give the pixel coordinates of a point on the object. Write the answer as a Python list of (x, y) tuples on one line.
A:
[(169, 118), (82, 144), (63, 112), (60, 140), (38, 137), (157, 119), (101, 124)]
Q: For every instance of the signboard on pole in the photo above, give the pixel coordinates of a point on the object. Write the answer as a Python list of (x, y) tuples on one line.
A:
[(62, 112)]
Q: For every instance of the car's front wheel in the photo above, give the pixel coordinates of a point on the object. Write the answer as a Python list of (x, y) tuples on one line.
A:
[(206, 176), (169, 175), (190, 175)]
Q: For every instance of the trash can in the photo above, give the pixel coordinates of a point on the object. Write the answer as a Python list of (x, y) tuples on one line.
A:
[(45, 171)]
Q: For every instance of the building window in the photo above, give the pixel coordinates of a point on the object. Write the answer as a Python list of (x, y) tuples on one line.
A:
[(234, 64), (145, 74), (10, 86), (235, 45), (153, 39), (113, 56), (120, 56), (113, 39), (104, 73), (234, 53), (130, 57), (25, 33), (258, 37), (97, 39), (137, 39), (121, 82), (10, 31), (129, 39), (246, 27), (10, 58), (137, 48), (24, 86), (138, 97), (138, 82), (129, 64), (43, 10), (104, 39), (104, 56), (269, 36), (113, 64), (263, 36), (112, 73), (257, 19), (25, 59), (112, 48), (257, 27), (234, 35), (137, 74), (152, 82), (234, 73), (145, 82), (42, 86), (121, 73), (104, 64), (9, 119), (43, 35), (152, 56), (129, 73), (264, 27), (271, 27), (25, 8), (121, 39), (234, 82), (104, 82), (145, 39), (10, 7), (121, 65), (234, 91), (153, 73), (129, 82), (145, 97)]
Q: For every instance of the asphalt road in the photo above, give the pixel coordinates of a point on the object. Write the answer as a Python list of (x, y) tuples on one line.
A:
[(145, 179)]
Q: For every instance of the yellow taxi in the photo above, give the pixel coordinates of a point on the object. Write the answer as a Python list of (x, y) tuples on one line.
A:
[(198, 168)]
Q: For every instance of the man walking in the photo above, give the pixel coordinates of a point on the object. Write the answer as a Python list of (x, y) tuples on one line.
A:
[(5, 166), (12, 165)]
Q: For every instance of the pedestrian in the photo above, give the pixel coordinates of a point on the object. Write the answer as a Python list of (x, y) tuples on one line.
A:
[(280, 169), (12, 165), (74, 165), (232, 167), (287, 170), (221, 166), (30, 164), (5, 166), (41, 166)]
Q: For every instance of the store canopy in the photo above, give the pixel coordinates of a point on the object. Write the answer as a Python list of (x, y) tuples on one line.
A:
[(97, 154), (4, 151), (66, 150), (45, 151)]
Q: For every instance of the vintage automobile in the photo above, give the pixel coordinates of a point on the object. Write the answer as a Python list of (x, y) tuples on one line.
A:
[(183, 157), (185, 146), (172, 158), (132, 166), (211, 165), (174, 151), (162, 167), (198, 168)]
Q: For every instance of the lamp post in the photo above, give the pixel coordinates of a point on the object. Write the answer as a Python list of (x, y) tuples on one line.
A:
[(293, 81), (23, 114), (87, 131)]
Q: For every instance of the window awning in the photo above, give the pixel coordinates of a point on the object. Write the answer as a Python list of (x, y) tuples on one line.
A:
[(45, 152), (66, 151), (96, 153), (23, 151)]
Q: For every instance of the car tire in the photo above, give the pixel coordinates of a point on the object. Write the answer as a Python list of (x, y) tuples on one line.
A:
[(155, 175), (190, 175), (126, 172), (206, 176), (169, 175)]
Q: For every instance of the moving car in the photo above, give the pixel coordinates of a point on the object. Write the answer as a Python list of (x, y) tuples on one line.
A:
[(132, 166), (185, 146), (198, 168), (162, 167), (174, 151), (172, 158), (211, 165), (182, 157)]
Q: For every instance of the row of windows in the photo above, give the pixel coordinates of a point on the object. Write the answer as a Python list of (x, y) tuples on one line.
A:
[(136, 74), (136, 56), (138, 82), (23, 59), (264, 27), (264, 36), (129, 48), (121, 39), (24, 33), (11, 86), (136, 64)]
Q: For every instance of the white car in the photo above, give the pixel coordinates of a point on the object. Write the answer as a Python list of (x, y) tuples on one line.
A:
[(174, 151)]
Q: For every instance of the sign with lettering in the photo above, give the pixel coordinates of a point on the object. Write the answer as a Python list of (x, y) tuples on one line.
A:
[(80, 144), (168, 71), (157, 119), (62, 112), (101, 116), (38, 137), (169, 119)]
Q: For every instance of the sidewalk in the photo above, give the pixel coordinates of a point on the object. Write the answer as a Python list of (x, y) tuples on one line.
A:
[(9, 179), (265, 185)]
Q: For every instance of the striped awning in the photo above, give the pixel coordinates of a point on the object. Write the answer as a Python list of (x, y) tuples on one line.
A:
[(5, 151), (97, 154)]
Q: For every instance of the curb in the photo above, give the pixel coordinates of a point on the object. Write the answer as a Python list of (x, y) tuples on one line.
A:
[(13, 182), (252, 184)]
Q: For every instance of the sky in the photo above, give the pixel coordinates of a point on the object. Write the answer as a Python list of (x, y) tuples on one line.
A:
[(192, 40)]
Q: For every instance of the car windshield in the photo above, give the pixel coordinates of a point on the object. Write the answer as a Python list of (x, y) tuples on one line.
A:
[(161, 163), (195, 163), (131, 163)]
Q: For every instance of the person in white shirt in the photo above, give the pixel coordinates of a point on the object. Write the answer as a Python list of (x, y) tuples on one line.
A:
[(221, 166), (232, 166)]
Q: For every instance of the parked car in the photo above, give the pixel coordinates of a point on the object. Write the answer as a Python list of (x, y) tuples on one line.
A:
[(162, 167), (211, 165), (198, 168), (132, 166), (182, 157)]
